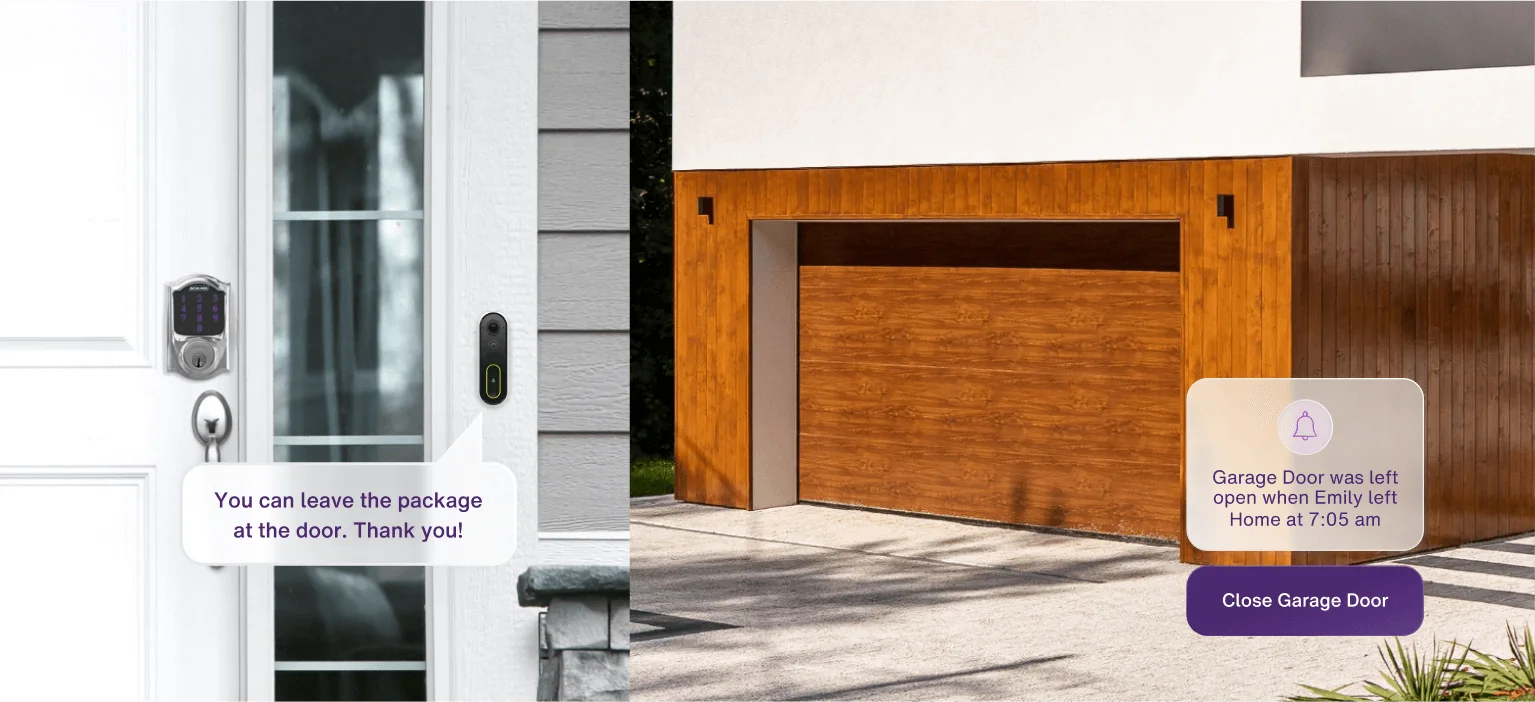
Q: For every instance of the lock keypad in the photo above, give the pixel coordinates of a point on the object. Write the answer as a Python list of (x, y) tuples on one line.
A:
[(197, 326)]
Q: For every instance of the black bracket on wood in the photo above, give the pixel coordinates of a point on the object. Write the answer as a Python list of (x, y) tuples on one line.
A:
[(706, 208), (1225, 206)]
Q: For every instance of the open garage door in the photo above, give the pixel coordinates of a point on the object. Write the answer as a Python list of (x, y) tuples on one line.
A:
[(1023, 372)]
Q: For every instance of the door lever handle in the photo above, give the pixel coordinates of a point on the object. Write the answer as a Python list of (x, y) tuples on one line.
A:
[(211, 428), (211, 425)]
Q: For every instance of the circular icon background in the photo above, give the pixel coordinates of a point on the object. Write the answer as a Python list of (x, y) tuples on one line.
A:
[(1305, 427)]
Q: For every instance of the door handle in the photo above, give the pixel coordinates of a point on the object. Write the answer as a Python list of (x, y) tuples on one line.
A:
[(211, 424)]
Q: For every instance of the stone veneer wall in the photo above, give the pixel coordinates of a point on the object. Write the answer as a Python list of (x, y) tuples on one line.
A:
[(584, 633)]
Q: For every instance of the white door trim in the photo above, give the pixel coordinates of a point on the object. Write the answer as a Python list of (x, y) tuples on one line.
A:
[(254, 417), (493, 263), (439, 615)]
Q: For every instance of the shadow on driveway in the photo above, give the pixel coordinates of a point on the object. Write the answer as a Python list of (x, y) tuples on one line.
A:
[(805, 609), (918, 680)]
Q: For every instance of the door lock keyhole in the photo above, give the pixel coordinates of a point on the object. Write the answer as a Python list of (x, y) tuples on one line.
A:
[(199, 357)]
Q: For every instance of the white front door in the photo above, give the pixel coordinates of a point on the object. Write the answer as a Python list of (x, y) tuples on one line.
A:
[(288, 150), (119, 138)]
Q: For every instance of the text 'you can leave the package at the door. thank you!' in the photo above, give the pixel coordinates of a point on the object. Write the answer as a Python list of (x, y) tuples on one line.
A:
[(457, 511)]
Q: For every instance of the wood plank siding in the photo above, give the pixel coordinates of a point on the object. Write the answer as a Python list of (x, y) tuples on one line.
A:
[(1422, 267), (1234, 285)]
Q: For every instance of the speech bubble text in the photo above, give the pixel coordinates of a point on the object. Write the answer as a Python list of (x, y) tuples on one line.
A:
[(349, 514)]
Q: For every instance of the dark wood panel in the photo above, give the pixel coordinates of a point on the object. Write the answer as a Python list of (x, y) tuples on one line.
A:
[(1131, 246), (1433, 256), (1227, 331)]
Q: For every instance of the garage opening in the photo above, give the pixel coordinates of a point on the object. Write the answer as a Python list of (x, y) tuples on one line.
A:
[(1021, 372)]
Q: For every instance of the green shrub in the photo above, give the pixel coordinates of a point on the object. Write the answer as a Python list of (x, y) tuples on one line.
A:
[(1458, 672), (1408, 675), (1491, 677), (651, 476)]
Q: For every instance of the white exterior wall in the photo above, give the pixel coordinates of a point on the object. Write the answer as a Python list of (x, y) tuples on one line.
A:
[(797, 84)]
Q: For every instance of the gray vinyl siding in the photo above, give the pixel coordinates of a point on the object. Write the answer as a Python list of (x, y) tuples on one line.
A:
[(581, 71), (587, 15), (584, 282), (583, 266), (582, 184)]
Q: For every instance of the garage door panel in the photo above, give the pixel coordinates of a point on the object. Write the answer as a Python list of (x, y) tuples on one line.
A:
[(1064, 351), (936, 434), (941, 404), (1028, 395), (1058, 490), (1140, 388), (1018, 294), (1061, 355), (981, 285), (1017, 317), (883, 458)]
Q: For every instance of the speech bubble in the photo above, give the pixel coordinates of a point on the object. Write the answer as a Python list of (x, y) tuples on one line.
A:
[(458, 511), (1304, 464)]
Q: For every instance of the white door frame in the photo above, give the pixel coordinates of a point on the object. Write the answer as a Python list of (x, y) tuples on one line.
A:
[(435, 182), (255, 414)]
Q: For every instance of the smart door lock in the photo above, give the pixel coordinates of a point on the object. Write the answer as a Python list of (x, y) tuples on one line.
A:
[(197, 326)]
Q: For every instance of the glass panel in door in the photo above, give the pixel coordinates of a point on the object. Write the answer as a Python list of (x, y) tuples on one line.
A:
[(348, 101)]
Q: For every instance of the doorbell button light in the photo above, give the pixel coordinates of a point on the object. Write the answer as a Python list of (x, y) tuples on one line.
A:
[(493, 381), (197, 326)]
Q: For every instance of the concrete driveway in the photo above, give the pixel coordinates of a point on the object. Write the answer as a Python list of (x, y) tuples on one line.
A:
[(814, 602)]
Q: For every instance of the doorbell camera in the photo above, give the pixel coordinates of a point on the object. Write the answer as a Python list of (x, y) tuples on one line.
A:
[(493, 340), (197, 326)]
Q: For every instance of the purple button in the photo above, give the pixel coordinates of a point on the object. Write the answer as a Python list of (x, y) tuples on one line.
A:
[(1384, 600)]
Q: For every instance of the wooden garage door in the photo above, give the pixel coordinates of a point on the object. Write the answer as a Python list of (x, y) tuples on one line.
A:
[(1019, 372)]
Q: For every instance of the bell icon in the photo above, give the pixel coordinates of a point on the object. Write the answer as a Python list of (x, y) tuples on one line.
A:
[(1305, 426)]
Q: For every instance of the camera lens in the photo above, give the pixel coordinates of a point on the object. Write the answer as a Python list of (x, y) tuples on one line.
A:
[(494, 327)]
